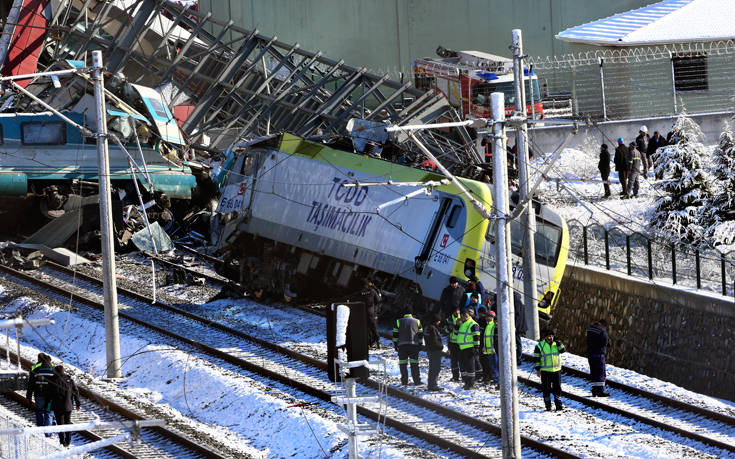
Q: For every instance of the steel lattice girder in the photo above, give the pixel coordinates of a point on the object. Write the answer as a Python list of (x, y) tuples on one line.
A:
[(240, 82)]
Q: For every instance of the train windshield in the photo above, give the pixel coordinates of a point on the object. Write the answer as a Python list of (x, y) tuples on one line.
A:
[(547, 240)]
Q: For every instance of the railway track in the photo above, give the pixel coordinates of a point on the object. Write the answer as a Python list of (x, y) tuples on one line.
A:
[(697, 423), (445, 428), (153, 442)]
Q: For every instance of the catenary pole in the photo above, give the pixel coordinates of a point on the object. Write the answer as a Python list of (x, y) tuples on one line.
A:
[(509, 421), (112, 332), (528, 219)]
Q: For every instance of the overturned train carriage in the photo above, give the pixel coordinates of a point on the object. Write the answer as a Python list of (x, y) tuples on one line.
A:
[(44, 160), (290, 217)]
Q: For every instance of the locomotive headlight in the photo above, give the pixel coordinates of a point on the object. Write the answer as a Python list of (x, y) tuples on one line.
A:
[(469, 267)]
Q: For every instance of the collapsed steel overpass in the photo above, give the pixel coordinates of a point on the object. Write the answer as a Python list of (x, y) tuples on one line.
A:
[(241, 84)]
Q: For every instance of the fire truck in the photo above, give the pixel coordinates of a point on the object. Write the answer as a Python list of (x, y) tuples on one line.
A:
[(467, 78)]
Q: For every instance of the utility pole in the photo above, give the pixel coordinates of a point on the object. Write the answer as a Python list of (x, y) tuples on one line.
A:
[(528, 219), (509, 420), (112, 332)]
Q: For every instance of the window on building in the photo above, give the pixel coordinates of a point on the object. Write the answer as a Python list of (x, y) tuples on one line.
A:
[(690, 72), (43, 133)]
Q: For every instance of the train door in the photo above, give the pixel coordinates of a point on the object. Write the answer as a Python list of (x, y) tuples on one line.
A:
[(237, 192), (448, 238), (445, 235), (429, 241)]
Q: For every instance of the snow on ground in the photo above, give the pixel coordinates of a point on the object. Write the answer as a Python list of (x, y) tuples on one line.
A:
[(574, 188), (258, 420), (305, 332)]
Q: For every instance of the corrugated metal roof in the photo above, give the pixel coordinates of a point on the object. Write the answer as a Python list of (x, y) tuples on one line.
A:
[(614, 29)]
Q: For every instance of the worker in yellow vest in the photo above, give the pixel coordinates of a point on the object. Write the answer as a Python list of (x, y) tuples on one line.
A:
[(489, 356), (451, 324), (548, 367), (468, 341)]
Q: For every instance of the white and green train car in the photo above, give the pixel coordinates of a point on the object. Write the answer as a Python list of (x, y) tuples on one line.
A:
[(286, 193)]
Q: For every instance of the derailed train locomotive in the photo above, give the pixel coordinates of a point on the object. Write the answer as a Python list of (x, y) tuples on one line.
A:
[(289, 216)]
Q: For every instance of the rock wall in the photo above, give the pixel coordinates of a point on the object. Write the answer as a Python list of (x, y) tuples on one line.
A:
[(674, 335)]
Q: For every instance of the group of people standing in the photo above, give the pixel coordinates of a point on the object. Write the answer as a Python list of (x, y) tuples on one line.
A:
[(53, 395), (466, 316), (632, 160), (472, 340)]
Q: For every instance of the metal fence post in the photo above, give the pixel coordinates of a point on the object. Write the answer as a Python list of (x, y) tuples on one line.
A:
[(699, 274), (724, 274), (607, 252), (673, 81), (575, 108), (602, 88), (673, 263), (627, 252), (584, 241), (650, 259)]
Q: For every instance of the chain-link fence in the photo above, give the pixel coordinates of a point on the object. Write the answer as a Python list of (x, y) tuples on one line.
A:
[(637, 255), (642, 82)]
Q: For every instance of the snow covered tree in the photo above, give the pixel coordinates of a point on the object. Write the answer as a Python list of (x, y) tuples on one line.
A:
[(722, 206), (686, 187)]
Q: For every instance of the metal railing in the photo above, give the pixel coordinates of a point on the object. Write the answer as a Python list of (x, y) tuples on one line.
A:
[(638, 255)]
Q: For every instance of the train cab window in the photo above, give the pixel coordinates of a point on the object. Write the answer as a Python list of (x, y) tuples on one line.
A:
[(547, 240), (454, 216), (43, 133), (247, 165), (516, 236)]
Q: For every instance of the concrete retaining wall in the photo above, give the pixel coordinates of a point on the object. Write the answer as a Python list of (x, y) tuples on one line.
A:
[(677, 336), (548, 138)]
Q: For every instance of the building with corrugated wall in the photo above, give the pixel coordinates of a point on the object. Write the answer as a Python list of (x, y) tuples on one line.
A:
[(661, 59)]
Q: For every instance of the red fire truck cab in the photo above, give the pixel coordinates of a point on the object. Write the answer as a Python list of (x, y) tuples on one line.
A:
[(467, 78)]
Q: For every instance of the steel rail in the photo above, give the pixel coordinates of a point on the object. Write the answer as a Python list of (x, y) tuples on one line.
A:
[(714, 415), (319, 364), (99, 399), (89, 435)]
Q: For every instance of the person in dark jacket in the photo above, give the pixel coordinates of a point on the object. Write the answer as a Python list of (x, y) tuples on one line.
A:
[(475, 286), (548, 367), (656, 142), (520, 322), (597, 342), (65, 398), (40, 391), (452, 298), (604, 167), (621, 165), (371, 297), (434, 347), (641, 143), (635, 162), (408, 338)]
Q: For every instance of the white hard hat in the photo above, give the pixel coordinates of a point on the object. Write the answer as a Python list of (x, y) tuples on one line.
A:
[(644, 128)]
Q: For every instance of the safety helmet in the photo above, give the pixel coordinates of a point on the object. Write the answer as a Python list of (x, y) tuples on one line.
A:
[(644, 128), (620, 140)]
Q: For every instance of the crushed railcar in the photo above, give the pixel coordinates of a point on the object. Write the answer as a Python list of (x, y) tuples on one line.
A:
[(45, 161), (291, 225)]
